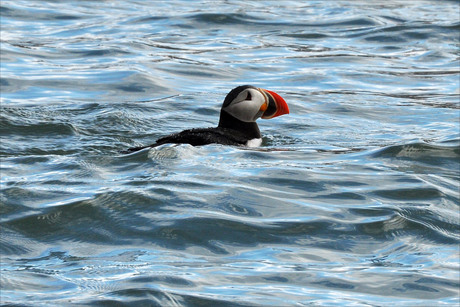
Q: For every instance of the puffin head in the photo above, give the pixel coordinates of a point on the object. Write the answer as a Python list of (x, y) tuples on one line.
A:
[(247, 103)]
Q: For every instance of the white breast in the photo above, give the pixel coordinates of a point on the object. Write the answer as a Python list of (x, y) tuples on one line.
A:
[(254, 143)]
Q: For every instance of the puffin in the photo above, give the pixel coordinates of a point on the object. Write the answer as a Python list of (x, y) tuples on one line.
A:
[(237, 126)]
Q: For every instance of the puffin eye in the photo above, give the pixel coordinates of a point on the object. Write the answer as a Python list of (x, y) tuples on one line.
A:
[(249, 97)]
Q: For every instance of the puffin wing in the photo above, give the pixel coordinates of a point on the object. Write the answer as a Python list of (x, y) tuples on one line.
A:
[(198, 137), (204, 136)]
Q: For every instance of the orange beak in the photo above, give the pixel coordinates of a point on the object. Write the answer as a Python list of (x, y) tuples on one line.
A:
[(274, 105)]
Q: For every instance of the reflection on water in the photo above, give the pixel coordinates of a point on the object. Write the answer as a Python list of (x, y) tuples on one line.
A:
[(351, 200)]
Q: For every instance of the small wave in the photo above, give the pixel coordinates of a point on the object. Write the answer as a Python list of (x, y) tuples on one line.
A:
[(218, 18), (420, 151)]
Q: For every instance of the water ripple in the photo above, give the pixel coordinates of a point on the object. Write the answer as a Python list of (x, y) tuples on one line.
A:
[(351, 200)]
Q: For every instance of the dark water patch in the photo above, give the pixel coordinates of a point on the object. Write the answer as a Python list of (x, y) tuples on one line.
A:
[(307, 36), (145, 19), (112, 52), (219, 19), (16, 195), (337, 284), (132, 88), (291, 184), (345, 196), (410, 220), (157, 297), (380, 38), (28, 160), (166, 280), (212, 234), (429, 154), (252, 20), (337, 25), (33, 14), (435, 220), (410, 194), (54, 225), (39, 49), (354, 22), (14, 244), (197, 72), (86, 220), (239, 209), (455, 26), (39, 128)]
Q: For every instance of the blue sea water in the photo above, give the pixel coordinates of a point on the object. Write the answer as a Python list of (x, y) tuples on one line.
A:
[(352, 200)]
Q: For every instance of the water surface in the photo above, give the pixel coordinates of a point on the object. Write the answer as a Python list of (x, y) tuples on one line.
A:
[(353, 198)]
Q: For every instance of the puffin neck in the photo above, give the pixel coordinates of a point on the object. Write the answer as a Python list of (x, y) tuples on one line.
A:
[(251, 130)]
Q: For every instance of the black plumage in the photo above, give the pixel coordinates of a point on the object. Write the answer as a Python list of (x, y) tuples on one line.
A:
[(230, 131)]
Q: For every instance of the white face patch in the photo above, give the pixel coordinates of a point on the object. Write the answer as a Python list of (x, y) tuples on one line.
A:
[(246, 106)]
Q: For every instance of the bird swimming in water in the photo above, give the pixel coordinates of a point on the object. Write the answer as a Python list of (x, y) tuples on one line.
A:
[(237, 124)]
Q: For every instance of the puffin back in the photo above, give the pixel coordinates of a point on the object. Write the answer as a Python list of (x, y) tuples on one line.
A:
[(205, 136)]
